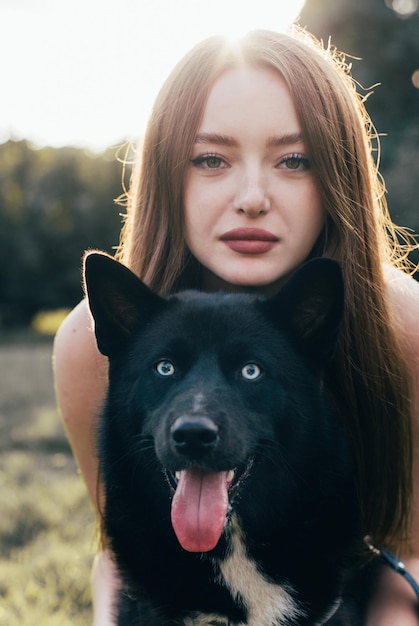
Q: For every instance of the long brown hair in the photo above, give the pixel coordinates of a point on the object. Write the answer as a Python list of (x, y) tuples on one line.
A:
[(368, 375)]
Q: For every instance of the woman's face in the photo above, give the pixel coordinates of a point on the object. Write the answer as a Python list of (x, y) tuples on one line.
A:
[(252, 208)]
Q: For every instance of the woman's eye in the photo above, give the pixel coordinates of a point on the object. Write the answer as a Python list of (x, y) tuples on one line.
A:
[(251, 371), (165, 368), (295, 162), (213, 162), (209, 161)]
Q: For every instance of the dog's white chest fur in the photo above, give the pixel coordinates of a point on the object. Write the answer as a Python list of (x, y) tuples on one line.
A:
[(267, 604)]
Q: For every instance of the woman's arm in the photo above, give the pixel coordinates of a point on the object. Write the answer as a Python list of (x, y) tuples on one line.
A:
[(395, 603), (81, 375)]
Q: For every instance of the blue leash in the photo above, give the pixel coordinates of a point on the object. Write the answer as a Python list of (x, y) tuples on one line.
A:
[(398, 566)]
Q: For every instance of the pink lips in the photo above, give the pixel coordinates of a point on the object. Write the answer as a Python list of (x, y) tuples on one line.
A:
[(249, 240)]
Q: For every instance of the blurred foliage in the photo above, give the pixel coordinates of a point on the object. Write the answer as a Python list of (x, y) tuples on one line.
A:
[(383, 38), (47, 525), (54, 204), (48, 322)]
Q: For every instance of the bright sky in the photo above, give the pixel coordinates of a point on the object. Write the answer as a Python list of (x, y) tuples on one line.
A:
[(85, 72)]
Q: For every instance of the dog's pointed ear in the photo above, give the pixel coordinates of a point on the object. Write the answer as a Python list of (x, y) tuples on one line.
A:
[(311, 306), (119, 301)]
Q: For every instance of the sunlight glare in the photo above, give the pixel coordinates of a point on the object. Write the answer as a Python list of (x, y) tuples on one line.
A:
[(89, 70), (234, 19)]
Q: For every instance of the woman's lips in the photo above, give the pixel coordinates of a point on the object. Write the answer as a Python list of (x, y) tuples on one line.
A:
[(249, 240)]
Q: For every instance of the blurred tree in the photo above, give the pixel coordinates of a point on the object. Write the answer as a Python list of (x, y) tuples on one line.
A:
[(54, 203), (383, 35)]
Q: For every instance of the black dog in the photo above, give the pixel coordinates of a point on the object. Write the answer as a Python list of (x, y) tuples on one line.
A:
[(229, 490)]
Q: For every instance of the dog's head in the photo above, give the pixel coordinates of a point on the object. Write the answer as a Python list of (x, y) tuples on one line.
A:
[(213, 380)]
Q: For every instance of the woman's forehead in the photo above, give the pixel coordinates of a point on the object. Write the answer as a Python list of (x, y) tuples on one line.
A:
[(249, 97)]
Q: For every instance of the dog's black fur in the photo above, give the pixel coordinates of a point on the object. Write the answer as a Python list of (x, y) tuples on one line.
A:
[(216, 383)]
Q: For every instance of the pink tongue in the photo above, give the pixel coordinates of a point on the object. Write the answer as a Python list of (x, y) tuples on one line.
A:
[(199, 508)]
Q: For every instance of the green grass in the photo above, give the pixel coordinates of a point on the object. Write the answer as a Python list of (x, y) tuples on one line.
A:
[(47, 526)]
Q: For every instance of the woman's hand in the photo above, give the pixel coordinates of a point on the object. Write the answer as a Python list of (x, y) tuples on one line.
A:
[(105, 587), (394, 602)]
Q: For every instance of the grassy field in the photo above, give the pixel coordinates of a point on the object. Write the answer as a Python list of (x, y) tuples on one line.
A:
[(47, 528)]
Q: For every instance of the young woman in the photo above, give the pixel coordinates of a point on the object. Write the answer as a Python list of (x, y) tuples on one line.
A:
[(258, 156)]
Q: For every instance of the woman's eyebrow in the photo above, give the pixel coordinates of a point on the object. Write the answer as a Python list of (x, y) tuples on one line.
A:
[(284, 140), (226, 140), (217, 139)]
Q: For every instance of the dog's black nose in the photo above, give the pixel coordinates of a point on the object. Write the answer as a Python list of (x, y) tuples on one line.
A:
[(194, 435)]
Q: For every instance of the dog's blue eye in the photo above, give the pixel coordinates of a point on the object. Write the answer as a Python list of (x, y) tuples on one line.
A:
[(165, 368), (251, 371)]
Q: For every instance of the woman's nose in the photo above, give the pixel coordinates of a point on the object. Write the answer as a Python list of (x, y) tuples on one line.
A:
[(252, 197)]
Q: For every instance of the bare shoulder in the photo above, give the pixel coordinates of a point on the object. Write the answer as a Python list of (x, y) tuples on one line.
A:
[(403, 294), (78, 320), (75, 339)]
